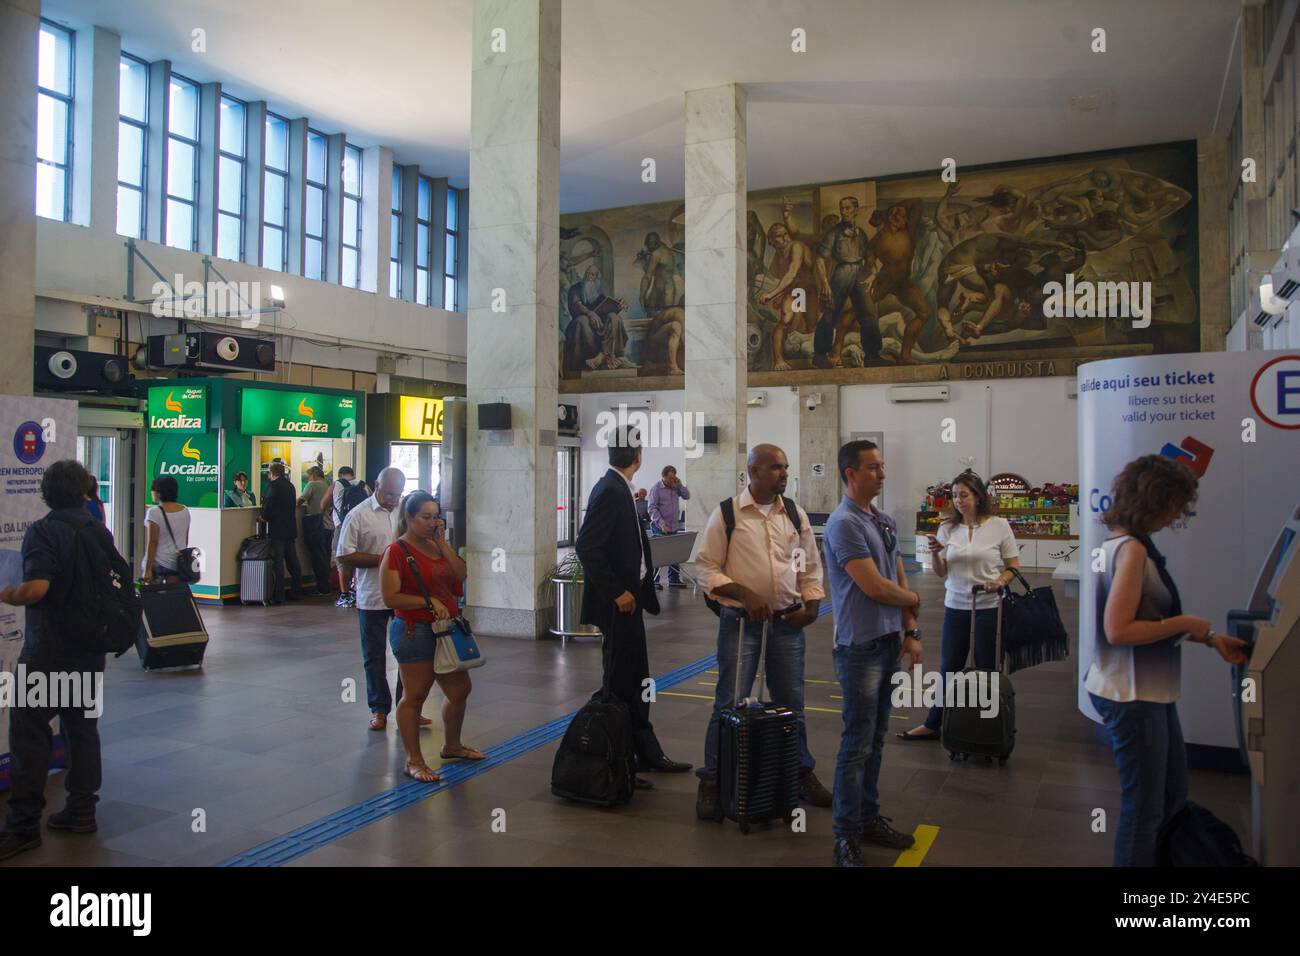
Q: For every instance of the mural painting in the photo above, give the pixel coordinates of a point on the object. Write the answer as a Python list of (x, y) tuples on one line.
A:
[(1070, 258)]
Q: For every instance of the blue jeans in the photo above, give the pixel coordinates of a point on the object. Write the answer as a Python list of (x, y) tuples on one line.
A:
[(1148, 744), (374, 655), (955, 647), (674, 570), (864, 672), (784, 673)]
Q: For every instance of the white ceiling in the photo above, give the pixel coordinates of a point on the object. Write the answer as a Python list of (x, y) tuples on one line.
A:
[(887, 86)]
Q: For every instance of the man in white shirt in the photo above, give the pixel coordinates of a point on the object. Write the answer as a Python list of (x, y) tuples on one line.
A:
[(367, 531)]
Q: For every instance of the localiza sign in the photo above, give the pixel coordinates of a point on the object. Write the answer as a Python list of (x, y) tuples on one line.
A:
[(306, 414), (192, 461), (178, 408)]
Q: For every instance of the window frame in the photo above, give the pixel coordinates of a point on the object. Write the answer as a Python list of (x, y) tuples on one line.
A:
[(267, 171), (168, 197), (344, 245), (395, 249), (242, 159), (324, 224), (451, 239), (143, 127), (67, 99)]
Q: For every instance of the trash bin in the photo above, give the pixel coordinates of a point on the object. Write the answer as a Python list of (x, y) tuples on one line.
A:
[(568, 611)]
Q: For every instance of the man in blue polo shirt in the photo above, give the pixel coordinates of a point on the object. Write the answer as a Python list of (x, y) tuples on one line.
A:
[(875, 626)]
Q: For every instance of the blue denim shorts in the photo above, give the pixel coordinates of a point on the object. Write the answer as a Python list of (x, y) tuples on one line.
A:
[(412, 641)]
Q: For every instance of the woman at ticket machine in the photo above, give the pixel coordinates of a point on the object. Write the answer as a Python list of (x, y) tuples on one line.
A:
[(1134, 678)]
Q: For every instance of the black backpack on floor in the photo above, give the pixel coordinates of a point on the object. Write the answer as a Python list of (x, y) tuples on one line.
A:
[(1196, 837), (101, 611), (596, 760)]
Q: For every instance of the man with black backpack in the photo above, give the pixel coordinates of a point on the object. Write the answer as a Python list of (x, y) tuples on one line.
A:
[(346, 493), (759, 562), (81, 603)]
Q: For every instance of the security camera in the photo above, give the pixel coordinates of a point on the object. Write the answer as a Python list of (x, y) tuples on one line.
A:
[(811, 403), (228, 348)]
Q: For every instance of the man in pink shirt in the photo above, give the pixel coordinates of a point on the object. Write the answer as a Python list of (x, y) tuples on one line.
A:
[(765, 567), (664, 507)]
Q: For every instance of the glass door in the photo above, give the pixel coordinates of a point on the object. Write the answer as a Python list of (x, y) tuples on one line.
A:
[(566, 492), (97, 452), (405, 456)]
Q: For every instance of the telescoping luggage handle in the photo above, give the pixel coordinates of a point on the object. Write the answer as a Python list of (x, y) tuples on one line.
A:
[(762, 657), (975, 592)]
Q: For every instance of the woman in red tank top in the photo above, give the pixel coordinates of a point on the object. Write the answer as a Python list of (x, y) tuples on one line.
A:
[(416, 623)]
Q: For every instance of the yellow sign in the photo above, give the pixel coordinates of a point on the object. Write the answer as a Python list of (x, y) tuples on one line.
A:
[(420, 419)]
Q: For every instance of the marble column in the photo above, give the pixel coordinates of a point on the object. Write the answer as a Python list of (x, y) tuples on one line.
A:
[(716, 370), (19, 30), (819, 444), (513, 310)]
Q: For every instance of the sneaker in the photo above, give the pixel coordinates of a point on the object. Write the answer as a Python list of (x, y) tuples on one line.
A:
[(73, 822), (707, 805), (342, 601), (11, 844), (879, 831), (812, 791), (848, 853)]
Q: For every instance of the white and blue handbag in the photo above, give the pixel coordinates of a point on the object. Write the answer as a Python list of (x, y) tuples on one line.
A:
[(457, 650)]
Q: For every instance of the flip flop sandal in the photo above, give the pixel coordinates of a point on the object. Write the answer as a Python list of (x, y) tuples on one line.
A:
[(421, 774), (462, 756), (425, 721), (378, 721)]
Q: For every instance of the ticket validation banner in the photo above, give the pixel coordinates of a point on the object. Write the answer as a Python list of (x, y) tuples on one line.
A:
[(1234, 419), (33, 433)]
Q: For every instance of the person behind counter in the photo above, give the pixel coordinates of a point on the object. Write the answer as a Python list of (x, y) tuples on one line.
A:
[(240, 496), (167, 525)]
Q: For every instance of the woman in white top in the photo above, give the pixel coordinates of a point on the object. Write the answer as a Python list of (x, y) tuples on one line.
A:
[(1134, 678), (973, 548), (167, 527)]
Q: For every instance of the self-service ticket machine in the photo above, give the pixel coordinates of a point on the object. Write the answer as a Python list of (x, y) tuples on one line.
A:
[(1270, 709)]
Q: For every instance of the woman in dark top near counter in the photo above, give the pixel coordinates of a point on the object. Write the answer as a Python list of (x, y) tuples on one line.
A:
[(421, 536)]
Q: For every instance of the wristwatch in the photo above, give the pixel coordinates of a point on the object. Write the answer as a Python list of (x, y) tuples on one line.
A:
[(914, 633)]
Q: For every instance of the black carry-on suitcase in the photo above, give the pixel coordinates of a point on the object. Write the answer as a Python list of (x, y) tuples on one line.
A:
[(171, 631), (596, 759), (966, 731), (256, 570), (758, 753)]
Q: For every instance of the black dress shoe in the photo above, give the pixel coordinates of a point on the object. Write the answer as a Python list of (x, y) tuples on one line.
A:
[(76, 823), (663, 765), (11, 844), (880, 832), (642, 783)]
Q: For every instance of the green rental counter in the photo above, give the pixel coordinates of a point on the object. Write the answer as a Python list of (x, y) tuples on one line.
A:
[(204, 431)]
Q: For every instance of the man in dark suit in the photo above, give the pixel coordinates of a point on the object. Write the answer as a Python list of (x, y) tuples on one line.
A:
[(280, 511), (615, 555)]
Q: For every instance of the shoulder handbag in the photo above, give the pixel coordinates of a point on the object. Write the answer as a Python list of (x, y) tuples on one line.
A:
[(1033, 632), (456, 649), (187, 559)]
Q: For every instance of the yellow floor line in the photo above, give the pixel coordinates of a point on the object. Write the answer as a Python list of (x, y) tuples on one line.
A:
[(807, 680), (673, 693), (925, 835)]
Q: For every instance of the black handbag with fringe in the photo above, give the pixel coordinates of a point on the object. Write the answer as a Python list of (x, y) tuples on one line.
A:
[(1032, 630)]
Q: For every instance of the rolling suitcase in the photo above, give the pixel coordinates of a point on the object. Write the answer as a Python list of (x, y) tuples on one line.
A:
[(965, 730), (256, 570), (758, 753), (171, 631)]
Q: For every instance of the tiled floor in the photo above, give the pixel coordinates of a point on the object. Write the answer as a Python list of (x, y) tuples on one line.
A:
[(260, 742)]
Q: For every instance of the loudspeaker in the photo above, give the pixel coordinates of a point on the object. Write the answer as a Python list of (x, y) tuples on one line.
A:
[(494, 416), (569, 418), (76, 370), (710, 434)]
